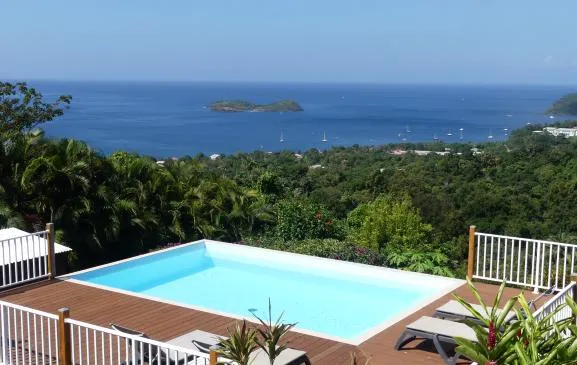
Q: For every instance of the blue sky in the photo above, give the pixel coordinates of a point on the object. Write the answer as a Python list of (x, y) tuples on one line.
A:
[(382, 41)]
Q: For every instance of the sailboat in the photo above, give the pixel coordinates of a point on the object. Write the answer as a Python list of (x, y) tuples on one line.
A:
[(461, 133), (408, 129), (490, 135), (435, 138), (324, 137), (506, 130), (281, 138), (450, 133)]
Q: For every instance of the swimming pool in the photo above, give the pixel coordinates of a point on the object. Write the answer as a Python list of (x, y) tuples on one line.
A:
[(343, 301)]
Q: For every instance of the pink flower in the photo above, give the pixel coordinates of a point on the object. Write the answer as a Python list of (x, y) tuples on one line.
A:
[(492, 336)]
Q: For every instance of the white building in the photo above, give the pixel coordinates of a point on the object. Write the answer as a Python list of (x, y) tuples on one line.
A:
[(564, 132)]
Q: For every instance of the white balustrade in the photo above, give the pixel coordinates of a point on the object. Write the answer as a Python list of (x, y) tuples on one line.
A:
[(24, 259), (28, 336), (97, 345), (525, 262)]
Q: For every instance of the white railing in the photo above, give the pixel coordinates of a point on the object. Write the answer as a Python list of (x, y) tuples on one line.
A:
[(520, 261), (558, 300), (90, 344), (28, 336), (25, 258)]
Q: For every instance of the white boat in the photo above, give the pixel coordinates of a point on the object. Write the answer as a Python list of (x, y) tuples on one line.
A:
[(461, 133), (324, 137), (281, 138), (490, 135), (408, 129), (551, 117), (435, 138), (449, 133)]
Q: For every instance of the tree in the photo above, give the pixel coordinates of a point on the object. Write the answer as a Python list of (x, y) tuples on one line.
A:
[(388, 224), (22, 108)]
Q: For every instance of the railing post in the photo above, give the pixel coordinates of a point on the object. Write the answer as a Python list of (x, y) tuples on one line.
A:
[(537, 276), (64, 337), (471, 257), (213, 357), (574, 293), (50, 250), (6, 343)]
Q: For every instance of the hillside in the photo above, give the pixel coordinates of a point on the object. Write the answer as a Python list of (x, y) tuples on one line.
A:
[(567, 105)]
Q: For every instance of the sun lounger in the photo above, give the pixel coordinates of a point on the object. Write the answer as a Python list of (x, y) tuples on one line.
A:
[(453, 310), (439, 331), (205, 341)]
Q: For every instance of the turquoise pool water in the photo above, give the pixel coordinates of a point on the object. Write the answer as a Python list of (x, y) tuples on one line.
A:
[(319, 297)]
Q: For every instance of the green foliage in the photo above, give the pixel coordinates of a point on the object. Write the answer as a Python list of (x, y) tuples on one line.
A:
[(327, 248), (271, 334), (525, 341), (493, 344), (567, 105), (430, 262), (388, 224), (301, 219), (22, 108), (240, 344)]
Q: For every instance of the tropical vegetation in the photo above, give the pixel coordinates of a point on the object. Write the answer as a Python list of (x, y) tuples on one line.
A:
[(363, 204), (527, 340)]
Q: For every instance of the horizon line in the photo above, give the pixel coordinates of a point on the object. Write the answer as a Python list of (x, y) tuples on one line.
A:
[(287, 82)]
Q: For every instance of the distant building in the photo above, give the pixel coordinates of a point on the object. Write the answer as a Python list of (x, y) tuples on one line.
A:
[(565, 132), (214, 156), (398, 152)]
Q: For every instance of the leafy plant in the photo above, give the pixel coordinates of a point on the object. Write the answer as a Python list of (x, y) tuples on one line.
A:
[(542, 341), (493, 345), (271, 335), (431, 262), (240, 345), (529, 340)]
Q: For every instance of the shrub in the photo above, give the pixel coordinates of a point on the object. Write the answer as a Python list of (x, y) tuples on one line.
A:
[(301, 219), (388, 224)]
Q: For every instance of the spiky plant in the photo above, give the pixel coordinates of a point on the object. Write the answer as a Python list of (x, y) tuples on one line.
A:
[(271, 334), (494, 336), (545, 340), (240, 345)]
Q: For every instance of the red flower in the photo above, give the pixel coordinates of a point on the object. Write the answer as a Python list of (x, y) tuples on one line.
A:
[(492, 336), (492, 362)]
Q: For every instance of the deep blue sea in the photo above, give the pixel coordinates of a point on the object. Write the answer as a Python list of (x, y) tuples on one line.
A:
[(171, 119)]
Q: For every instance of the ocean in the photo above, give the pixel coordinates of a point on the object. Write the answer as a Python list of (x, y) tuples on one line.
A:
[(172, 119)]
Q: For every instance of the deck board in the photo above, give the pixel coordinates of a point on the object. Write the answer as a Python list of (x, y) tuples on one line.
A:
[(163, 321)]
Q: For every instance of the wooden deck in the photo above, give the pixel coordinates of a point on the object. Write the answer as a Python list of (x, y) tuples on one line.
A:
[(164, 321)]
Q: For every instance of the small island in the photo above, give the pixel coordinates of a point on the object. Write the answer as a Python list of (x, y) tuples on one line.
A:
[(233, 106), (567, 105)]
